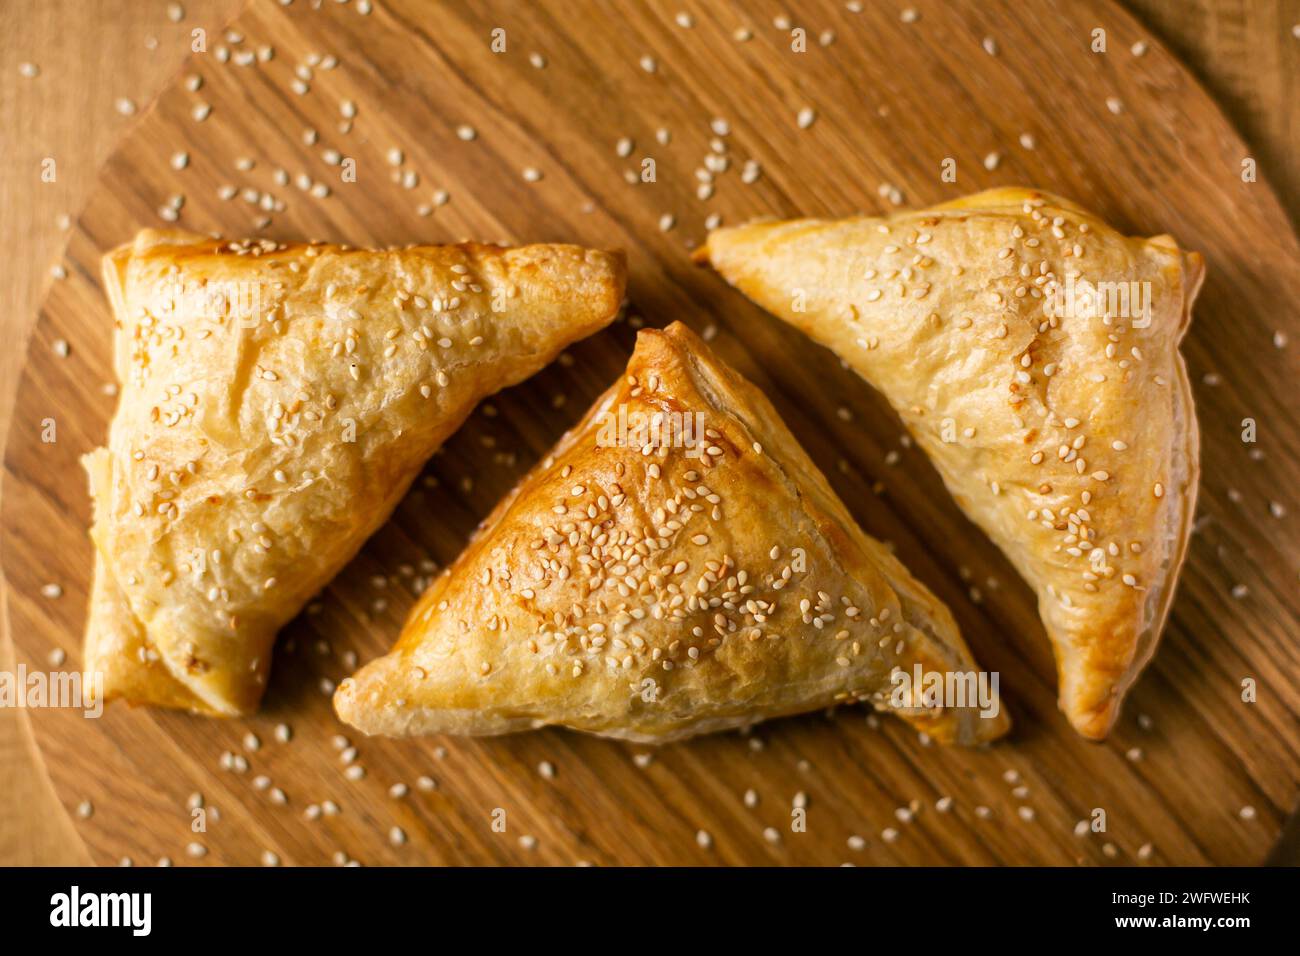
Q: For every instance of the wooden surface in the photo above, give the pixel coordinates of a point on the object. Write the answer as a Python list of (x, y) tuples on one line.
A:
[(1203, 759)]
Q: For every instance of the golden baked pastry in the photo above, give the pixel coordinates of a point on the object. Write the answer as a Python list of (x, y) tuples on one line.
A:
[(1033, 352), (654, 581), (276, 402)]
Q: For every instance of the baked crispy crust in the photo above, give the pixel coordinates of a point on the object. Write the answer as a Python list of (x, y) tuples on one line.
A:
[(1067, 433), (651, 592), (276, 402)]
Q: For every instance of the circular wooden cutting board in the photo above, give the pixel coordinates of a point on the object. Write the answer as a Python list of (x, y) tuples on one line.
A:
[(584, 94)]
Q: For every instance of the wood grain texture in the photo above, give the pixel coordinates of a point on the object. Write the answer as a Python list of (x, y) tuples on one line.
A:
[(87, 54), (893, 99)]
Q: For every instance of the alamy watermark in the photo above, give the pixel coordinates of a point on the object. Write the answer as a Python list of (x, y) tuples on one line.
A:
[(934, 690), (1077, 298), (235, 300), (71, 690), (622, 428)]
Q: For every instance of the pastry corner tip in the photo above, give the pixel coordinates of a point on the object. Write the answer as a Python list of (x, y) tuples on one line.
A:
[(1092, 723)]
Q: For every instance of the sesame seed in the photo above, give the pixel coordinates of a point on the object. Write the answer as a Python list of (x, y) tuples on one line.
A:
[(806, 117)]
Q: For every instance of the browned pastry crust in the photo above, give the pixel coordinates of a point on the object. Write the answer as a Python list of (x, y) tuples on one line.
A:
[(276, 402), (1067, 433), (651, 592)]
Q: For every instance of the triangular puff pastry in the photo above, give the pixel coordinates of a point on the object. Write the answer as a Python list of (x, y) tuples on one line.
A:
[(635, 586), (276, 402), (1033, 352)]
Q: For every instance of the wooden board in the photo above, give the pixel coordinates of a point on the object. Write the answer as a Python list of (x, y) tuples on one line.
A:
[(893, 99)]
